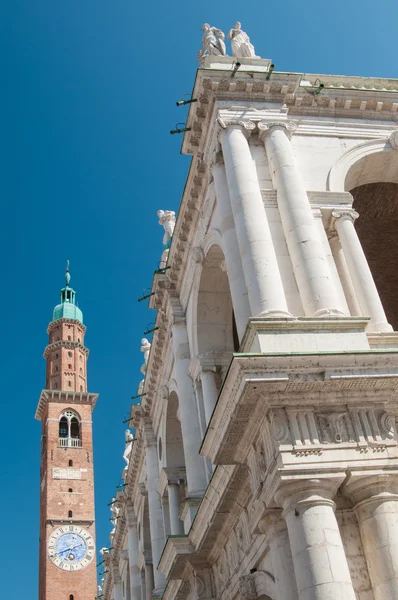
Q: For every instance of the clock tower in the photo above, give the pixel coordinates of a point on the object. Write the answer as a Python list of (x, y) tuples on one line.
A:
[(67, 569)]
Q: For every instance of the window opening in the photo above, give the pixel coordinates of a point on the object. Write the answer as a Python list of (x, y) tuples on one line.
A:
[(70, 490), (70, 463), (70, 514), (69, 430)]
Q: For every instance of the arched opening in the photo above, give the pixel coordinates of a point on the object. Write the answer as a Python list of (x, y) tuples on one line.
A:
[(70, 490), (173, 448), (215, 323), (70, 514), (373, 183), (70, 463), (173, 458), (69, 430)]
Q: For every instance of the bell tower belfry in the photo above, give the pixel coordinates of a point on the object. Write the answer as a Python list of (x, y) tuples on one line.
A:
[(67, 565)]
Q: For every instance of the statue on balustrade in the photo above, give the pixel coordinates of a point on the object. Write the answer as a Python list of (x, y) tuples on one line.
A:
[(145, 348), (240, 43), (212, 42), (129, 438)]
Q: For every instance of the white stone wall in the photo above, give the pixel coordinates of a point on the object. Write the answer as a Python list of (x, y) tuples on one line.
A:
[(265, 457)]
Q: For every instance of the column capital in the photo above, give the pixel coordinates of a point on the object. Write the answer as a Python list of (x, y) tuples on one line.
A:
[(264, 127), (149, 434), (363, 487), (131, 517), (308, 492), (272, 523), (246, 126), (343, 214)]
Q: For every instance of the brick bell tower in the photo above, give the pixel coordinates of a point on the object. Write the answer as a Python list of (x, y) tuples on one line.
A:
[(67, 569)]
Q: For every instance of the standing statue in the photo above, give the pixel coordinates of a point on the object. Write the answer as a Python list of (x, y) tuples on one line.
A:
[(145, 348), (211, 46), (103, 551), (115, 510), (99, 590), (129, 438), (167, 218), (240, 42)]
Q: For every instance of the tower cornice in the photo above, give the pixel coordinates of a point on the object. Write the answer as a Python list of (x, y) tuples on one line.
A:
[(63, 397), (55, 324), (65, 344)]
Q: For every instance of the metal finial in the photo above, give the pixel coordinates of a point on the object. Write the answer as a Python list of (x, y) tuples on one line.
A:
[(67, 274)]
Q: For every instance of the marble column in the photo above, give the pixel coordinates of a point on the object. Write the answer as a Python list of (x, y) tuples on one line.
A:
[(150, 581), (365, 287), (376, 507), (132, 541), (210, 391), (236, 277), (176, 525), (345, 277), (320, 563), (117, 584), (274, 527), (190, 427), (154, 507), (260, 265), (313, 277)]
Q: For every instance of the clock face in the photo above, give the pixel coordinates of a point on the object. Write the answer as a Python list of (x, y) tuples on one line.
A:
[(71, 547)]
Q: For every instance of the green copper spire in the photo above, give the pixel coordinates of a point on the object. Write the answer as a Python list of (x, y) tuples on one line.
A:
[(67, 309)]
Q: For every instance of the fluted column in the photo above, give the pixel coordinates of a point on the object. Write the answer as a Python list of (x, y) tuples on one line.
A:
[(132, 545), (191, 437), (313, 277), (376, 500), (260, 266), (319, 559), (176, 525), (274, 526), (361, 275), (154, 506), (236, 277)]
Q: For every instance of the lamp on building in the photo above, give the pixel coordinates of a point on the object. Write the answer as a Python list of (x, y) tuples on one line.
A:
[(179, 129), (184, 102)]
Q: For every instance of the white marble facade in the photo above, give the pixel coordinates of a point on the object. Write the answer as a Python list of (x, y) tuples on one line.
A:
[(265, 456)]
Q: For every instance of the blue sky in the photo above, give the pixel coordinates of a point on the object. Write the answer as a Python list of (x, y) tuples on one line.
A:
[(88, 91)]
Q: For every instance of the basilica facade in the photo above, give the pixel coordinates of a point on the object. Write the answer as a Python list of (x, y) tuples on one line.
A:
[(262, 455)]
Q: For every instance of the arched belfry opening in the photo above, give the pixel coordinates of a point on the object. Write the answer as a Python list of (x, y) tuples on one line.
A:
[(373, 183), (216, 326)]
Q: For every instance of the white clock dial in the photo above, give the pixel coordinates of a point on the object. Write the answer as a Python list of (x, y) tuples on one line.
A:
[(71, 547)]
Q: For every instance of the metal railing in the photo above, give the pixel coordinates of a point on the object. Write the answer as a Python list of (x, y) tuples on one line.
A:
[(69, 442)]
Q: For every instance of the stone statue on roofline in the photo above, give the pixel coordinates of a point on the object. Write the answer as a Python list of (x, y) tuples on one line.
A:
[(128, 436), (212, 42), (145, 348), (167, 218), (115, 511), (240, 43)]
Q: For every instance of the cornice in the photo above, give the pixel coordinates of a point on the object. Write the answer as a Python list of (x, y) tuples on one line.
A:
[(255, 383), (70, 344), (63, 397), (55, 324)]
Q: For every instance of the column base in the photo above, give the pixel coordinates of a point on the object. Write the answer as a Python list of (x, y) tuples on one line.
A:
[(306, 334)]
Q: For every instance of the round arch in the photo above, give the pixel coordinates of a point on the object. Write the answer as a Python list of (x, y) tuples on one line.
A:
[(358, 164), (212, 311)]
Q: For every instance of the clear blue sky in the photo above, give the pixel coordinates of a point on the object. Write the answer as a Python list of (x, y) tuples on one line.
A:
[(88, 91)]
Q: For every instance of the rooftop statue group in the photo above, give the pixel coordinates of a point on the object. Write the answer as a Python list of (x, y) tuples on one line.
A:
[(213, 42)]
